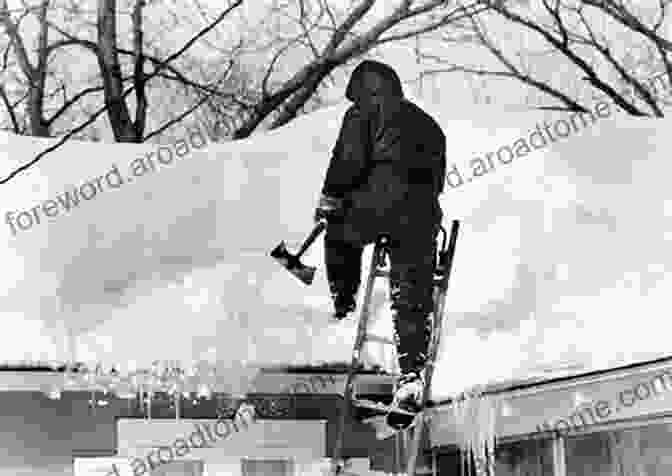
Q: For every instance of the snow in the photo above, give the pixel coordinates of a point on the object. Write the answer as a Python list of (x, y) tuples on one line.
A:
[(560, 262)]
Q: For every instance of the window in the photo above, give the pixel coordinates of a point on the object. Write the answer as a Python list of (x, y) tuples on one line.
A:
[(525, 458), (522, 458), (179, 468), (643, 451), (268, 467)]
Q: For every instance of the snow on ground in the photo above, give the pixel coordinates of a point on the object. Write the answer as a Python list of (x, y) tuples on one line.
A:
[(561, 259)]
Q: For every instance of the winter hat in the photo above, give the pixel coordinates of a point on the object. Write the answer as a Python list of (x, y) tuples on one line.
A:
[(373, 78)]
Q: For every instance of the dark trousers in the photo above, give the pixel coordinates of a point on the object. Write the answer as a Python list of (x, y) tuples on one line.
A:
[(412, 256)]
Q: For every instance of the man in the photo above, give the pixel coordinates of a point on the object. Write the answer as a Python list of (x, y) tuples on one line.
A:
[(386, 173)]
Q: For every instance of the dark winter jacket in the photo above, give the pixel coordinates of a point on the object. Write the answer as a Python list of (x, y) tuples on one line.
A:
[(389, 160)]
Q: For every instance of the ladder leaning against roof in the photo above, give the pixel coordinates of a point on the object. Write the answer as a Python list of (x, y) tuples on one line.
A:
[(441, 277)]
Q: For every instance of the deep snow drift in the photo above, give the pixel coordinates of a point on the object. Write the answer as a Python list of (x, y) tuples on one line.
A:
[(560, 264)]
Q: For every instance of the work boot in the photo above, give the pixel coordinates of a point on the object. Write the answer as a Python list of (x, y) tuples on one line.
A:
[(408, 397)]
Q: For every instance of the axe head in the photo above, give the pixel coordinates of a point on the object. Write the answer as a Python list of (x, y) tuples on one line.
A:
[(304, 273)]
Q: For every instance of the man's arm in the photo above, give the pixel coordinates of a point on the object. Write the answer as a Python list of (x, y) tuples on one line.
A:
[(349, 158)]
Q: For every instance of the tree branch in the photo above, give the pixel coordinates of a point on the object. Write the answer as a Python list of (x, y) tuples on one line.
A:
[(191, 109), (138, 71), (347, 25), (71, 40), (591, 75), (13, 32), (68, 103), (621, 14), (10, 110), (449, 18), (628, 78), (95, 115)]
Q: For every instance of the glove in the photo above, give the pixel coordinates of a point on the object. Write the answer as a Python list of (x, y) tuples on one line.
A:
[(329, 208)]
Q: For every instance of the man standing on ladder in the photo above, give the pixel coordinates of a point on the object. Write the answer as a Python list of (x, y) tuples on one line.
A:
[(386, 173)]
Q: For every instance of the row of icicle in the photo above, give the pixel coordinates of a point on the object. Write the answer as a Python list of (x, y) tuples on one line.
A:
[(475, 417)]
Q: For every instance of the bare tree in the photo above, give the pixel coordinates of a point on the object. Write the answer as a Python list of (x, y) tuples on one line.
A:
[(609, 46), (35, 73), (280, 100), (5, 96), (125, 129), (346, 39), (107, 52), (31, 84), (115, 96), (49, 90)]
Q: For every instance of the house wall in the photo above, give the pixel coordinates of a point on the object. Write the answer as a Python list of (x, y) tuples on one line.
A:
[(39, 436), (617, 424), (232, 467), (627, 451), (578, 406), (303, 441), (259, 438)]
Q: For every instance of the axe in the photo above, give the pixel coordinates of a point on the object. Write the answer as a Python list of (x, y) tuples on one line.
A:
[(293, 262)]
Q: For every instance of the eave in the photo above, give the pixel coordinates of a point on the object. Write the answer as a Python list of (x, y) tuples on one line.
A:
[(523, 410)]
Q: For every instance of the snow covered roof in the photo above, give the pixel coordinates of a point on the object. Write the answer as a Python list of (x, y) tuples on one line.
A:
[(560, 265)]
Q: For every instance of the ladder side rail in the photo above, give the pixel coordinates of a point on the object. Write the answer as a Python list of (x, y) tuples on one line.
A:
[(437, 329), (439, 311), (362, 328)]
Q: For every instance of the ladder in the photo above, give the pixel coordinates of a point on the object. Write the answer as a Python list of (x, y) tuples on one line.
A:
[(440, 281)]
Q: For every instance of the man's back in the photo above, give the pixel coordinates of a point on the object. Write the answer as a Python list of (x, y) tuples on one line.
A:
[(412, 140)]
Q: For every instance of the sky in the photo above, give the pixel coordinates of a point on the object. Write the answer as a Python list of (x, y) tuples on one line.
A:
[(560, 263)]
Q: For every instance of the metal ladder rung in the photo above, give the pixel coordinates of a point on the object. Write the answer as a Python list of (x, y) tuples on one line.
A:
[(377, 338), (386, 274)]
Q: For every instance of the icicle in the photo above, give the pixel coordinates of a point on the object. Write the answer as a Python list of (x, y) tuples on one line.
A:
[(475, 418), (177, 400)]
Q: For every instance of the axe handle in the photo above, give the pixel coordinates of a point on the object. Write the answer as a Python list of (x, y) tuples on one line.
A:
[(319, 228)]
